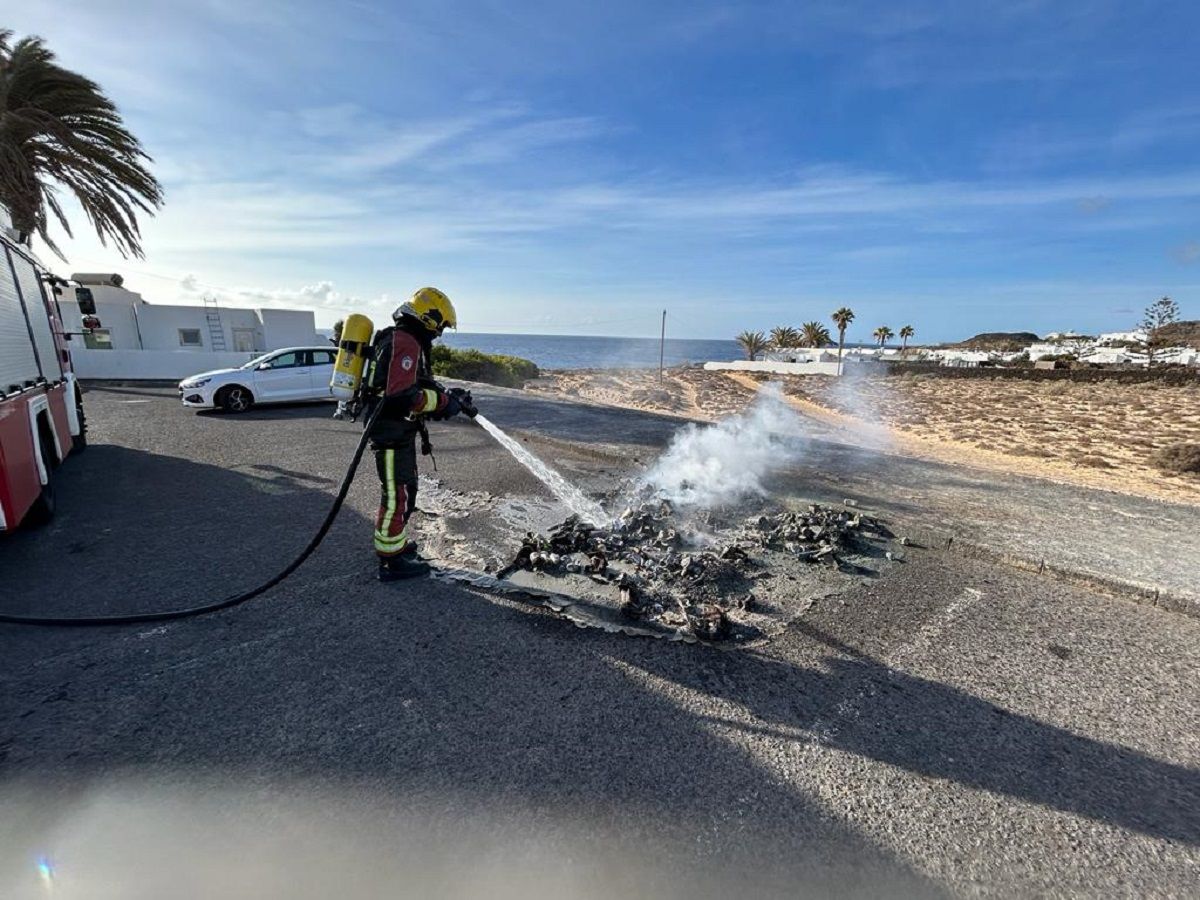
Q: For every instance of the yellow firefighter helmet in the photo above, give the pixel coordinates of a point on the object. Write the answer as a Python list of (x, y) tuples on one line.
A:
[(431, 308)]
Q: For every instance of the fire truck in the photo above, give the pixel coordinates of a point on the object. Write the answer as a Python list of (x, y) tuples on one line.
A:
[(41, 405)]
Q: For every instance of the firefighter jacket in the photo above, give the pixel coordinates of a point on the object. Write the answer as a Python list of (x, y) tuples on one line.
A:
[(400, 376)]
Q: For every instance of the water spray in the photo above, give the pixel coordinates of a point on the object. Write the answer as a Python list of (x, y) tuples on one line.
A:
[(574, 499)]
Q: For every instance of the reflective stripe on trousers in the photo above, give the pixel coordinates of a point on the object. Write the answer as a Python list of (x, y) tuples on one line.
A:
[(398, 498)]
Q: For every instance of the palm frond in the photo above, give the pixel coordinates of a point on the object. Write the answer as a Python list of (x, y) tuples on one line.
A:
[(814, 334), (784, 337), (752, 343), (59, 130)]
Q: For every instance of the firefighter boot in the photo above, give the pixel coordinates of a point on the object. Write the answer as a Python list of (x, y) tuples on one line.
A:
[(403, 566)]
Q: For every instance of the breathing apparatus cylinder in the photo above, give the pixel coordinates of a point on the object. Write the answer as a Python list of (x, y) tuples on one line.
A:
[(353, 349)]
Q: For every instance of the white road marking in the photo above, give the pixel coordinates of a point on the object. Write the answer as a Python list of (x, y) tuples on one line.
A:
[(824, 730)]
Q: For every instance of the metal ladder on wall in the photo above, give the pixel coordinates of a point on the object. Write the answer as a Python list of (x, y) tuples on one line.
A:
[(216, 331)]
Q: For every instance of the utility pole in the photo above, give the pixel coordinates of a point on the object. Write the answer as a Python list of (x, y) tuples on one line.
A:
[(662, 344)]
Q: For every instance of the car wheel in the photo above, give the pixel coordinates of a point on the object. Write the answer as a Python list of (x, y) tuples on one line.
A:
[(235, 399)]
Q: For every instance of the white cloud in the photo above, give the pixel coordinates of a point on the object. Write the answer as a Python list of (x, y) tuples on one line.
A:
[(364, 153)]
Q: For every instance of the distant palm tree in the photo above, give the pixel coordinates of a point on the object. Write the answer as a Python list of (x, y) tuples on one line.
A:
[(882, 334), (58, 129), (906, 331), (814, 334), (784, 337), (753, 343), (337, 332), (842, 318)]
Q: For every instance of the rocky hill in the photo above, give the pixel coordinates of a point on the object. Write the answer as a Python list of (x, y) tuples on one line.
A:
[(1182, 334), (997, 340)]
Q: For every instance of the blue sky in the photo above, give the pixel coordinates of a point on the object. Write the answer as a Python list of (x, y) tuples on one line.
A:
[(576, 167)]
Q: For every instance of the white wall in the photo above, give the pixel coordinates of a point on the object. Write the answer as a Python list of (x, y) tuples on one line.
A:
[(776, 368), (135, 324), (116, 317), (290, 328), (160, 326), (134, 365)]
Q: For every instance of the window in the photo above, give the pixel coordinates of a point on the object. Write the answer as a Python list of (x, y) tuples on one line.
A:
[(321, 357), (282, 361), (98, 339), (190, 337)]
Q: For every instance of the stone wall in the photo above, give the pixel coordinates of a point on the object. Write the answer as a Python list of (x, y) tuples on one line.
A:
[(1163, 374)]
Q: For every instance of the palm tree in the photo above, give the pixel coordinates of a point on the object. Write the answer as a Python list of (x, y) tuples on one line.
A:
[(882, 334), (753, 342), (842, 318), (59, 130), (784, 337), (337, 332), (906, 331), (814, 334)]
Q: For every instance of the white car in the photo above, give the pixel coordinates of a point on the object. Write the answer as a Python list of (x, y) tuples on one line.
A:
[(281, 376)]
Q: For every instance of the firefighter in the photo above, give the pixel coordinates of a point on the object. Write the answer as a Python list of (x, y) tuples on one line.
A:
[(400, 376)]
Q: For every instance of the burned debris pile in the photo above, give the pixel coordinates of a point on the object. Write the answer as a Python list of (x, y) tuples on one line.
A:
[(705, 575)]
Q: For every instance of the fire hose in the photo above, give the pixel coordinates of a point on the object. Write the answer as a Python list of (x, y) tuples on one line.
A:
[(468, 408)]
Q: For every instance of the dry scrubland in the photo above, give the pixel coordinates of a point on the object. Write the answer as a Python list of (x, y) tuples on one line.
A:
[(1102, 435), (688, 392)]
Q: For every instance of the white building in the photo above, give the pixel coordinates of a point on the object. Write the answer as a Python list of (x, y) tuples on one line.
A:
[(129, 322), (139, 339), (800, 355), (960, 359), (1139, 336), (1111, 356)]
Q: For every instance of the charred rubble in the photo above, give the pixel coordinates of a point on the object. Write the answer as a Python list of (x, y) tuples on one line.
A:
[(698, 576)]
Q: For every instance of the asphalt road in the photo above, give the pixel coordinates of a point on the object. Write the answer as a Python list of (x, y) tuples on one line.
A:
[(955, 728)]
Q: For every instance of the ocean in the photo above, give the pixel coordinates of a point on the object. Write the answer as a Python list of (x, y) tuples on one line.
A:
[(578, 352)]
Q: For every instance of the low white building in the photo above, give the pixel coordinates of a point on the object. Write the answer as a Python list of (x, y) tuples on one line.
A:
[(960, 359), (1112, 356), (139, 339), (129, 322), (1058, 348), (800, 355), (1138, 336), (1178, 356)]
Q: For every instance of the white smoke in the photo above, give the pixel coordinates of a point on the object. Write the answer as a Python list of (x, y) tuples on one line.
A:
[(862, 392), (714, 465)]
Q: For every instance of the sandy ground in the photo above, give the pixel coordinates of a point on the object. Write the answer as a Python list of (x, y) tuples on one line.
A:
[(687, 392), (1095, 435)]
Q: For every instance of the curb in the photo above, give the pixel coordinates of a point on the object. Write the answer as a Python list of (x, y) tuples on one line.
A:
[(128, 382), (1147, 595)]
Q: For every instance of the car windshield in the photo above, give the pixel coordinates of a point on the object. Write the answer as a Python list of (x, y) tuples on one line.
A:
[(258, 361)]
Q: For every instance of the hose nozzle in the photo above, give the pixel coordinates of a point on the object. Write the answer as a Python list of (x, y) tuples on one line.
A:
[(463, 396)]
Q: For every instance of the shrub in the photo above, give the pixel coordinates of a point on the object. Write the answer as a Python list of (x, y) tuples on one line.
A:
[(1178, 458), (490, 368)]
